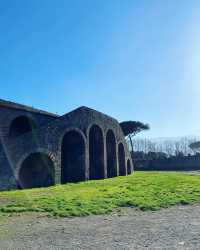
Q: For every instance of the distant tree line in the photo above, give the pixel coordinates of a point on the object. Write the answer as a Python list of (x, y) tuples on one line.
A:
[(165, 147), (183, 146), (195, 146)]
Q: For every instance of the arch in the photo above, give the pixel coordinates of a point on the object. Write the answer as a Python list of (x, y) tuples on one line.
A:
[(21, 125), (37, 170), (129, 171), (121, 159), (96, 153), (111, 154), (73, 157)]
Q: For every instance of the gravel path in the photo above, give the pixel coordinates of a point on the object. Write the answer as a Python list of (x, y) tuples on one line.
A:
[(174, 228)]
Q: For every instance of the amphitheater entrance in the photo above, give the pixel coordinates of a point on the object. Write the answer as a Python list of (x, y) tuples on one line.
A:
[(96, 153), (111, 154), (73, 157), (121, 160), (37, 170), (21, 125)]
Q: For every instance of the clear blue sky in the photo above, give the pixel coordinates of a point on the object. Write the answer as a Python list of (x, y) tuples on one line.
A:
[(134, 60)]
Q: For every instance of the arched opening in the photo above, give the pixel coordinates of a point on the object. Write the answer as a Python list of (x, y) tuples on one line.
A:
[(129, 167), (111, 154), (121, 159), (21, 125), (96, 153), (73, 157), (37, 170)]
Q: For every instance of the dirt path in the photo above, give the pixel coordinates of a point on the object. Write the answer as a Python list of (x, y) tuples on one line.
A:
[(174, 228)]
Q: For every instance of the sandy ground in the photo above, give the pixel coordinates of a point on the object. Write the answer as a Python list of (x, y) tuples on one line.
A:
[(174, 228)]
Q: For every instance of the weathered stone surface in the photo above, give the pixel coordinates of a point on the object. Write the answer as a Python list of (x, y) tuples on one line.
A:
[(186, 163), (83, 144)]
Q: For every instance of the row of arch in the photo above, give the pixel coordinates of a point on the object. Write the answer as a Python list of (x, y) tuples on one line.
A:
[(73, 156), (38, 169)]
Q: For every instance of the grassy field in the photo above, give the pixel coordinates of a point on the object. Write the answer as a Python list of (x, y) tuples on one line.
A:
[(147, 191)]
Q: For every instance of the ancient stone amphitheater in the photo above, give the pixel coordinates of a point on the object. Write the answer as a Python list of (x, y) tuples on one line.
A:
[(40, 149)]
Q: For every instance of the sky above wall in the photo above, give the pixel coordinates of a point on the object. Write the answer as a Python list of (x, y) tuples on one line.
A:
[(133, 60)]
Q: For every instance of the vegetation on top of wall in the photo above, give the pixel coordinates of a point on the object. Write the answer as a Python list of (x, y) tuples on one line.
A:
[(146, 191)]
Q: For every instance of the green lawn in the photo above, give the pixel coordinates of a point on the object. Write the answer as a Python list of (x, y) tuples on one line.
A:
[(147, 191)]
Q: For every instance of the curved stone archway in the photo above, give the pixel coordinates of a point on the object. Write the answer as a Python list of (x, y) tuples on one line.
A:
[(37, 170), (73, 157), (121, 159), (111, 154), (96, 153), (21, 125)]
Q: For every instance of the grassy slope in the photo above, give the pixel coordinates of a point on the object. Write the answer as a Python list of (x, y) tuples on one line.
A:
[(147, 191)]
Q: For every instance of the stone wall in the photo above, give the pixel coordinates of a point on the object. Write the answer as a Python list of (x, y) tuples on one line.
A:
[(189, 163), (47, 139), (7, 164), (7, 178), (7, 116)]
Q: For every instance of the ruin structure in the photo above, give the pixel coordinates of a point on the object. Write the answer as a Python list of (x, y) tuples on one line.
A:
[(40, 149)]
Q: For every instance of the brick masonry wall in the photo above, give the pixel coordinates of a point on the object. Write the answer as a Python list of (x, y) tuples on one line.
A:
[(7, 115), (48, 139), (190, 163), (7, 164)]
